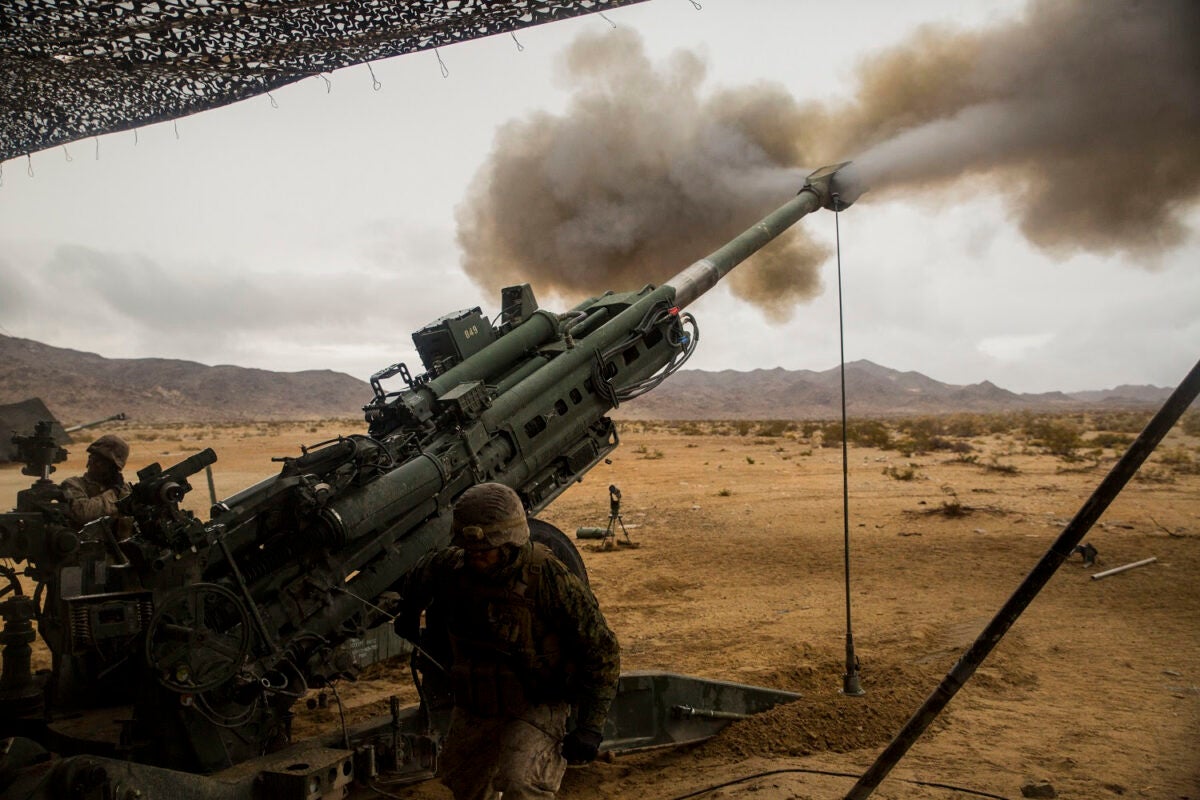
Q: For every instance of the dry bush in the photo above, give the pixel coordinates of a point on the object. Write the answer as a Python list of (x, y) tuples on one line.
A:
[(994, 465), (1111, 440), (1190, 423), (908, 473), (1154, 474), (859, 432), (1060, 436), (644, 452), (931, 433), (1120, 421), (1178, 460), (774, 428)]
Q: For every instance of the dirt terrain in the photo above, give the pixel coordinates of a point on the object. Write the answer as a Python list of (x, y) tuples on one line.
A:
[(739, 576)]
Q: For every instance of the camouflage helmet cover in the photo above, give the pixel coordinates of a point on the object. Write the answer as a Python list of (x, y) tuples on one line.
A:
[(488, 515), (111, 447)]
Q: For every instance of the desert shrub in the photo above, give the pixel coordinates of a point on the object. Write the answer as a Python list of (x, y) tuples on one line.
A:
[(1002, 423), (1004, 469), (1179, 461), (926, 435), (901, 473), (717, 427), (831, 434), (1110, 440), (930, 444), (749, 460), (647, 453), (808, 428), (690, 429), (1190, 424), (725, 493), (743, 427), (774, 428), (642, 451), (859, 432), (953, 508), (922, 427), (870, 433), (1121, 421), (1059, 436), (966, 425), (1152, 474)]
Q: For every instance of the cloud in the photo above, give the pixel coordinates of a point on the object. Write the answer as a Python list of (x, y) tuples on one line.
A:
[(296, 312), (643, 174), (1014, 347)]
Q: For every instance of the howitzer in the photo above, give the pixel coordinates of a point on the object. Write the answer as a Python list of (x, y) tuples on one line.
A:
[(210, 631), (120, 416)]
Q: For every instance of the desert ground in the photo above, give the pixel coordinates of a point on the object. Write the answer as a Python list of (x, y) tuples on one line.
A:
[(739, 575)]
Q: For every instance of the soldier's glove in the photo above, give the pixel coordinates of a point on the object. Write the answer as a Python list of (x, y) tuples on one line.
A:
[(581, 746)]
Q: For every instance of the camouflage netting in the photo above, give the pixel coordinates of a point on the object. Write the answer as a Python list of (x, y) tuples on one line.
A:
[(70, 70)]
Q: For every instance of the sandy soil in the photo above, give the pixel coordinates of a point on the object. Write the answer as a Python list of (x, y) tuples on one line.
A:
[(739, 576)]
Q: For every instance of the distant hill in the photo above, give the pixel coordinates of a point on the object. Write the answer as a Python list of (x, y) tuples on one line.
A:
[(871, 390), (80, 386)]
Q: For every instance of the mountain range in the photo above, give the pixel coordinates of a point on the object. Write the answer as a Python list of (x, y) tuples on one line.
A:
[(79, 386)]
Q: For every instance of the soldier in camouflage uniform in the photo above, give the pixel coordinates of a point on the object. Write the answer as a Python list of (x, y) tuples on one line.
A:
[(95, 493), (526, 641)]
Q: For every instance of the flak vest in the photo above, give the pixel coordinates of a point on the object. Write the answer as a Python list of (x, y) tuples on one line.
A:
[(502, 662)]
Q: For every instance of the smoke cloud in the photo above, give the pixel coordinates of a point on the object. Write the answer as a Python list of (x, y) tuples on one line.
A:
[(641, 176), (1085, 114)]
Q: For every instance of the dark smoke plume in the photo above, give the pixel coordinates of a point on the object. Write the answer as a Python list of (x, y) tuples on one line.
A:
[(640, 177), (1085, 113)]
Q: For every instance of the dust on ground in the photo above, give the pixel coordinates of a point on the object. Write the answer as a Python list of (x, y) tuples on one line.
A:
[(740, 576)]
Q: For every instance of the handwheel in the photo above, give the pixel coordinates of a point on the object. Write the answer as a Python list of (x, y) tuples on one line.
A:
[(198, 638)]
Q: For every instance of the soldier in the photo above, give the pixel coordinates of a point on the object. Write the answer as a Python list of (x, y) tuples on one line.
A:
[(95, 493), (526, 640)]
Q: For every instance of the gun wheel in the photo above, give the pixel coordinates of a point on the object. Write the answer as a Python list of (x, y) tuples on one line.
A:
[(198, 638), (562, 547)]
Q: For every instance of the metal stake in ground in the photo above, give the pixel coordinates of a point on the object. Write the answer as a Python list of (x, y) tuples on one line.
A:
[(1062, 548), (851, 685)]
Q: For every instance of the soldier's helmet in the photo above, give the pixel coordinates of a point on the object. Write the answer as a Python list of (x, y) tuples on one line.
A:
[(488, 515), (112, 447)]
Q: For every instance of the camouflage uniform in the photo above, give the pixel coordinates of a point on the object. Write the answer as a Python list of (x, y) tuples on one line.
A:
[(89, 499), (524, 644)]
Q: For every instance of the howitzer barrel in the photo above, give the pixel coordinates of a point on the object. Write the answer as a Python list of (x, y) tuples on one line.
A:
[(818, 192), (95, 422)]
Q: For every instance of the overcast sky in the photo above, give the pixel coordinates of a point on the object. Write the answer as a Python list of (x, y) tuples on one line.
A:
[(317, 229)]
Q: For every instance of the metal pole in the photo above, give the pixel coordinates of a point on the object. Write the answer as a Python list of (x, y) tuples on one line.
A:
[(212, 487), (1071, 535), (1117, 570), (851, 685)]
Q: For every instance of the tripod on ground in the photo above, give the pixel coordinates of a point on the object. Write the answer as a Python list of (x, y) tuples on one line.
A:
[(614, 519)]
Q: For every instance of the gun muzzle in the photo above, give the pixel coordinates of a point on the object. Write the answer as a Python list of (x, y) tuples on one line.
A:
[(819, 192)]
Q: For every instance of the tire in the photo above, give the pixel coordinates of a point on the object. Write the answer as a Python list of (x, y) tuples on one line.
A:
[(562, 547)]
